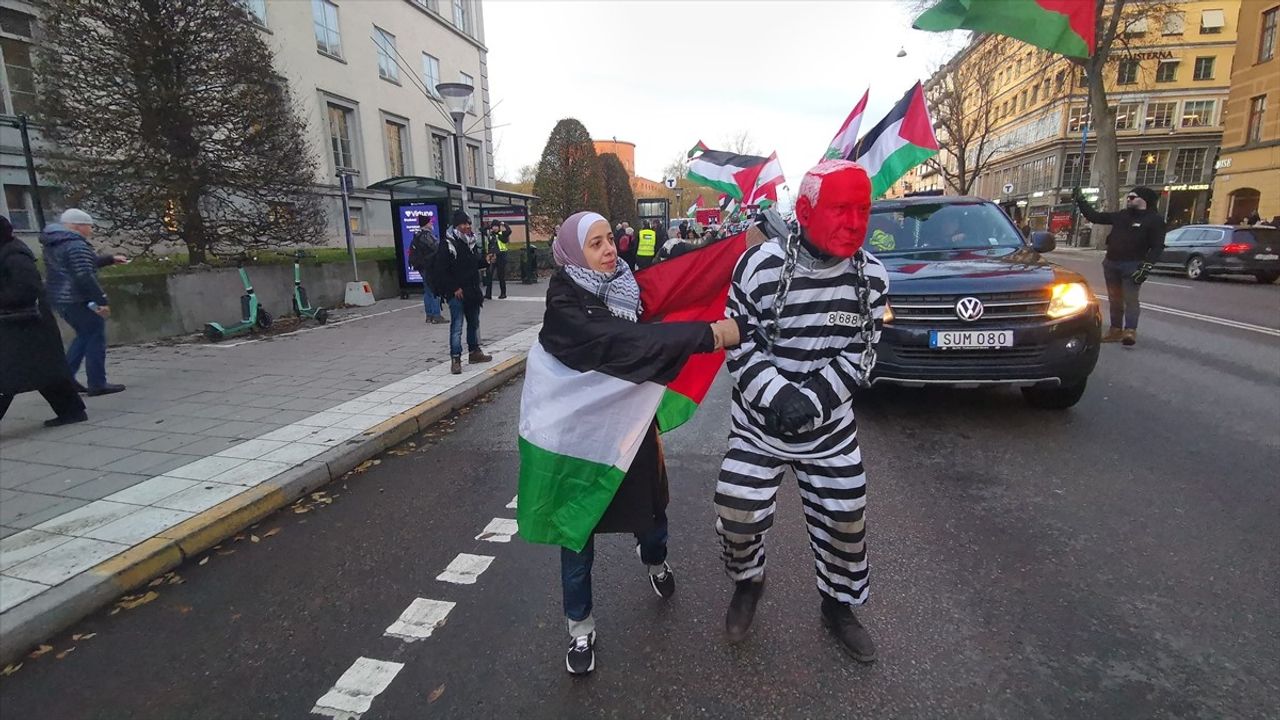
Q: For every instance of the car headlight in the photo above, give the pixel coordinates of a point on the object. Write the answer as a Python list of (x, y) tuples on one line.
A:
[(888, 313), (1068, 299)]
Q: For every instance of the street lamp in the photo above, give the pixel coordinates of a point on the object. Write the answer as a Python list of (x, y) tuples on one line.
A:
[(457, 98)]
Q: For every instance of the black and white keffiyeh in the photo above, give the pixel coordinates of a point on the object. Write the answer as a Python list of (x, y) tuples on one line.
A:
[(619, 290)]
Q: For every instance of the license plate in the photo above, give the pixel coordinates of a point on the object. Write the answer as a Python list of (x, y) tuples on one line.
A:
[(1266, 257), (965, 339)]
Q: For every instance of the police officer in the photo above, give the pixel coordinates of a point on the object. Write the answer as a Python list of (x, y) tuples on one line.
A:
[(498, 238), (646, 246)]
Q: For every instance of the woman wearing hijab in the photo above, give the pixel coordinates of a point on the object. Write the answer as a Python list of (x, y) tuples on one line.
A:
[(31, 354), (592, 324)]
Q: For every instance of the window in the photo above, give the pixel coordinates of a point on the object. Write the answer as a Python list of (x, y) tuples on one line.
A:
[(460, 15), (1212, 22), (1174, 23), (1267, 41), (16, 199), (1136, 27), (1257, 109), (1073, 172), (466, 79), (1060, 81), (1077, 118), (1127, 72), (1127, 115), (257, 10), (427, 5), (437, 156), (430, 73), (341, 120), (1022, 100), (1151, 167), (1122, 163), (1198, 113), (18, 78), (324, 15), (1189, 165), (396, 140), (1204, 68), (357, 220), (1035, 93), (15, 22), (387, 67), (1160, 114), (473, 165), (1167, 71)]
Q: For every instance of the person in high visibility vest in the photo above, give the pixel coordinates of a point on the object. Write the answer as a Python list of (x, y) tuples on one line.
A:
[(647, 246), (499, 236)]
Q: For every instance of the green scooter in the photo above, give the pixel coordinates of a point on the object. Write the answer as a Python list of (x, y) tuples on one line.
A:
[(301, 305), (252, 313)]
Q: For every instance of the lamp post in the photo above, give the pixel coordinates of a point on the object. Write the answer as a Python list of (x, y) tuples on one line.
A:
[(457, 98)]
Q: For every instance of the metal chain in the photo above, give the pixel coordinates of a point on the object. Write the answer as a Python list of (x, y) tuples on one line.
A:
[(791, 252)]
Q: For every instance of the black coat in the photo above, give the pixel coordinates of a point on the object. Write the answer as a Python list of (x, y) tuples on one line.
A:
[(458, 268), (31, 354), (1136, 235), (579, 331)]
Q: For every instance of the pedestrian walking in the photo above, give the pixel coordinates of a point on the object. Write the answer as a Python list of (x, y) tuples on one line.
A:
[(817, 300), (1133, 248), (422, 253), (71, 282), (31, 356), (498, 239), (456, 279), (592, 327)]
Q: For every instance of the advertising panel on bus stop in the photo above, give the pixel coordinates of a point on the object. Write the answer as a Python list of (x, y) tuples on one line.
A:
[(410, 216)]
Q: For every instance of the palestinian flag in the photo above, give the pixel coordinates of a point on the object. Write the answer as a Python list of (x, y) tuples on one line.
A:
[(1066, 27), (693, 209), (767, 181), (724, 201), (899, 142), (734, 175), (696, 150), (580, 431), (847, 136)]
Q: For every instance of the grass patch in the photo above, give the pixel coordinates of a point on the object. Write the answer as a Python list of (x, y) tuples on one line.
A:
[(177, 263)]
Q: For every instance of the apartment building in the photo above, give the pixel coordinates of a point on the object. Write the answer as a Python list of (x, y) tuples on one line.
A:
[(1167, 85), (17, 98), (1247, 176)]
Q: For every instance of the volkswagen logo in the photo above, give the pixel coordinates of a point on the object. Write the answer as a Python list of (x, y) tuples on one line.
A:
[(969, 309)]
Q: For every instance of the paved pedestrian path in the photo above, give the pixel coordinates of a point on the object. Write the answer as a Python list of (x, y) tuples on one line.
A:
[(201, 424)]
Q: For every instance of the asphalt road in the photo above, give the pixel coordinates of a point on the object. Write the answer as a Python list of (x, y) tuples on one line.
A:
[(1120, 559)]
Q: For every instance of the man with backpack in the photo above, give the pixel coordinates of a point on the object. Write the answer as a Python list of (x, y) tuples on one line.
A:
[(455, 276), (421, 252)]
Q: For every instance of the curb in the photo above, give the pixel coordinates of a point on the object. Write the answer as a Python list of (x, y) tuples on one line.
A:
[(61, 606)]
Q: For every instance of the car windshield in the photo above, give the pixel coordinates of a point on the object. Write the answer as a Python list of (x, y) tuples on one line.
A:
[(925, 228)]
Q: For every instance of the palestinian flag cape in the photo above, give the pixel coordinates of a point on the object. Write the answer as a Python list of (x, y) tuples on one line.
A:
[(1066, 27), (899, 142), (580, 431), (733, 175)]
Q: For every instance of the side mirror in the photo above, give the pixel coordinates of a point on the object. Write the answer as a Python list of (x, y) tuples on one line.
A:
[(1043, 242)]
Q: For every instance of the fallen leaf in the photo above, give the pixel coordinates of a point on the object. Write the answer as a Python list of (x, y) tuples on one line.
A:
[(255, 538), (65, 653), (11, 669), (155, 582), (204, 559), (226, 552), (114, 611), (175, 579), (269, 533), (239, 538), (129, 602), (301, 510), (184, 609), (235, 617), (435, 694), (39, 651)]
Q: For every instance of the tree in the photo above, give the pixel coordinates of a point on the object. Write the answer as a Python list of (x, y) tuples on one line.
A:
[(740, 143), (528, 173), (569, 178), (617, 187), (961, 100), (170, 125)]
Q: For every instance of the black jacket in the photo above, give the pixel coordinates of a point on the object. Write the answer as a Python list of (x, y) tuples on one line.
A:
[(457, 266), (1136, 235), (31, 355), (579, 331)]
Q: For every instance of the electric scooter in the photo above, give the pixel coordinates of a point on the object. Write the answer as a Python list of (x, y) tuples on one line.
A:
[(301, 305), (251, 311)]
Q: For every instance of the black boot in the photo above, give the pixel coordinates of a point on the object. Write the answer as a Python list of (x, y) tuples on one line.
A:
[(854, 639), (742, 607)]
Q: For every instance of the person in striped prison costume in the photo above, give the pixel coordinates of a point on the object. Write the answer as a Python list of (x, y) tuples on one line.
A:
[(817, 300)]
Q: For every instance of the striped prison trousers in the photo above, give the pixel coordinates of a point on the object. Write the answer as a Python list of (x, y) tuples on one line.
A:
[(833, 492)]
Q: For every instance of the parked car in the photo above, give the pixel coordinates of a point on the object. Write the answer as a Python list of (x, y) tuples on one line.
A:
[(1201, 251), (971, 302)]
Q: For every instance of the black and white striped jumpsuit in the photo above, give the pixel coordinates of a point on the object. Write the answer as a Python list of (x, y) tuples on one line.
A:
[(817, 350)]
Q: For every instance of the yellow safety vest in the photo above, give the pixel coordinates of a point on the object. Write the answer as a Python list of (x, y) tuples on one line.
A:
[(648, 244), (502, 246)]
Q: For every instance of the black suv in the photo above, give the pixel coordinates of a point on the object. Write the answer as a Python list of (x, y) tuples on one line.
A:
[(973, 303)]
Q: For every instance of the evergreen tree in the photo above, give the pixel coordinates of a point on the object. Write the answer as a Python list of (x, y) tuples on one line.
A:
[(569, 178), (618, 194)]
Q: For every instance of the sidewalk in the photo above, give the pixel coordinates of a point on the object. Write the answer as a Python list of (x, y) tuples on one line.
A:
[(209, 438)]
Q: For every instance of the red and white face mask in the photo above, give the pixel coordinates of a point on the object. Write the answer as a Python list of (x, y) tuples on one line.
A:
[(834, 206)]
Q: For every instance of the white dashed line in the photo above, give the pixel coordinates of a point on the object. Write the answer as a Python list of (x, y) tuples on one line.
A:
[(512, 505), (1206, 318), (354, 692), (465, 569), (420, 619), (498, 530), (1165, 284)]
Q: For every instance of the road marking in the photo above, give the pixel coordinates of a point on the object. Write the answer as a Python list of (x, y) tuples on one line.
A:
[(354, 692), (307, 330), (498, 530), (420, 619), (512, 505), (1206, 318), (1165, 284), (465, 569)]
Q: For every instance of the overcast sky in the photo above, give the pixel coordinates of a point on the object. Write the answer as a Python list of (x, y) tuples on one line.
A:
[(786, 72)]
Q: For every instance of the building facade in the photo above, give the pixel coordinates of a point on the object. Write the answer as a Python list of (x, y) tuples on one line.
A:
[(626, 152), (18, 23), (1167, 86), (1247, 178)]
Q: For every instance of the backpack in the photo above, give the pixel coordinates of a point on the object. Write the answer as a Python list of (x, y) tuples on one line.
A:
[(422, 251), (624, 243)]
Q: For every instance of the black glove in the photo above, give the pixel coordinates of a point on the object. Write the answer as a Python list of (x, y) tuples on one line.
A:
[(1077, 194), (789, 411), (1140, 275)]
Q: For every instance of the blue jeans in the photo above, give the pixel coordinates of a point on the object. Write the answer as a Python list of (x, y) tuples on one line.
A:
[(575, 573), (90, 345), (458, 312), (430, 302), (1122, 292)]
